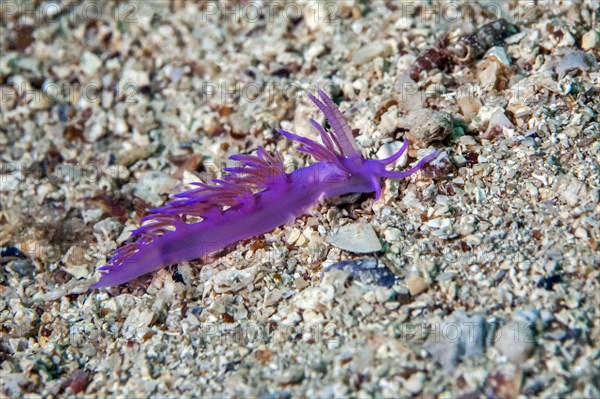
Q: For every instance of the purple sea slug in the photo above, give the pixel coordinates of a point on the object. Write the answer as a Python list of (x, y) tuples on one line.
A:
[(252, 199)]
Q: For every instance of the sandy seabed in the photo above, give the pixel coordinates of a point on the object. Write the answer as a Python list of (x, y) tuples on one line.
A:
[(481, 272)]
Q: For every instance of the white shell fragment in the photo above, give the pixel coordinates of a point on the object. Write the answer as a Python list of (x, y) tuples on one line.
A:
[(576, 60), (460, 336), (516, 341), (90, 63), (371, 51), (499, 54), (357, 238), (233, 280)]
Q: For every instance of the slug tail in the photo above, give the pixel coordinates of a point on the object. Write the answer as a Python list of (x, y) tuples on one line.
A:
[(121, 269), (207, 201)]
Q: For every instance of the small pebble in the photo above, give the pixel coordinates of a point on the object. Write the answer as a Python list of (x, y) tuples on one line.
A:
[(590, 40), (366, 271), (416, 284), (371, 51), (459, 336), (516, 341)]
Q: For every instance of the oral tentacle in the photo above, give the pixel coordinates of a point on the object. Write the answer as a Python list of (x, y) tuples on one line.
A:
[(401, 175), (376, 184), (397, 155)]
